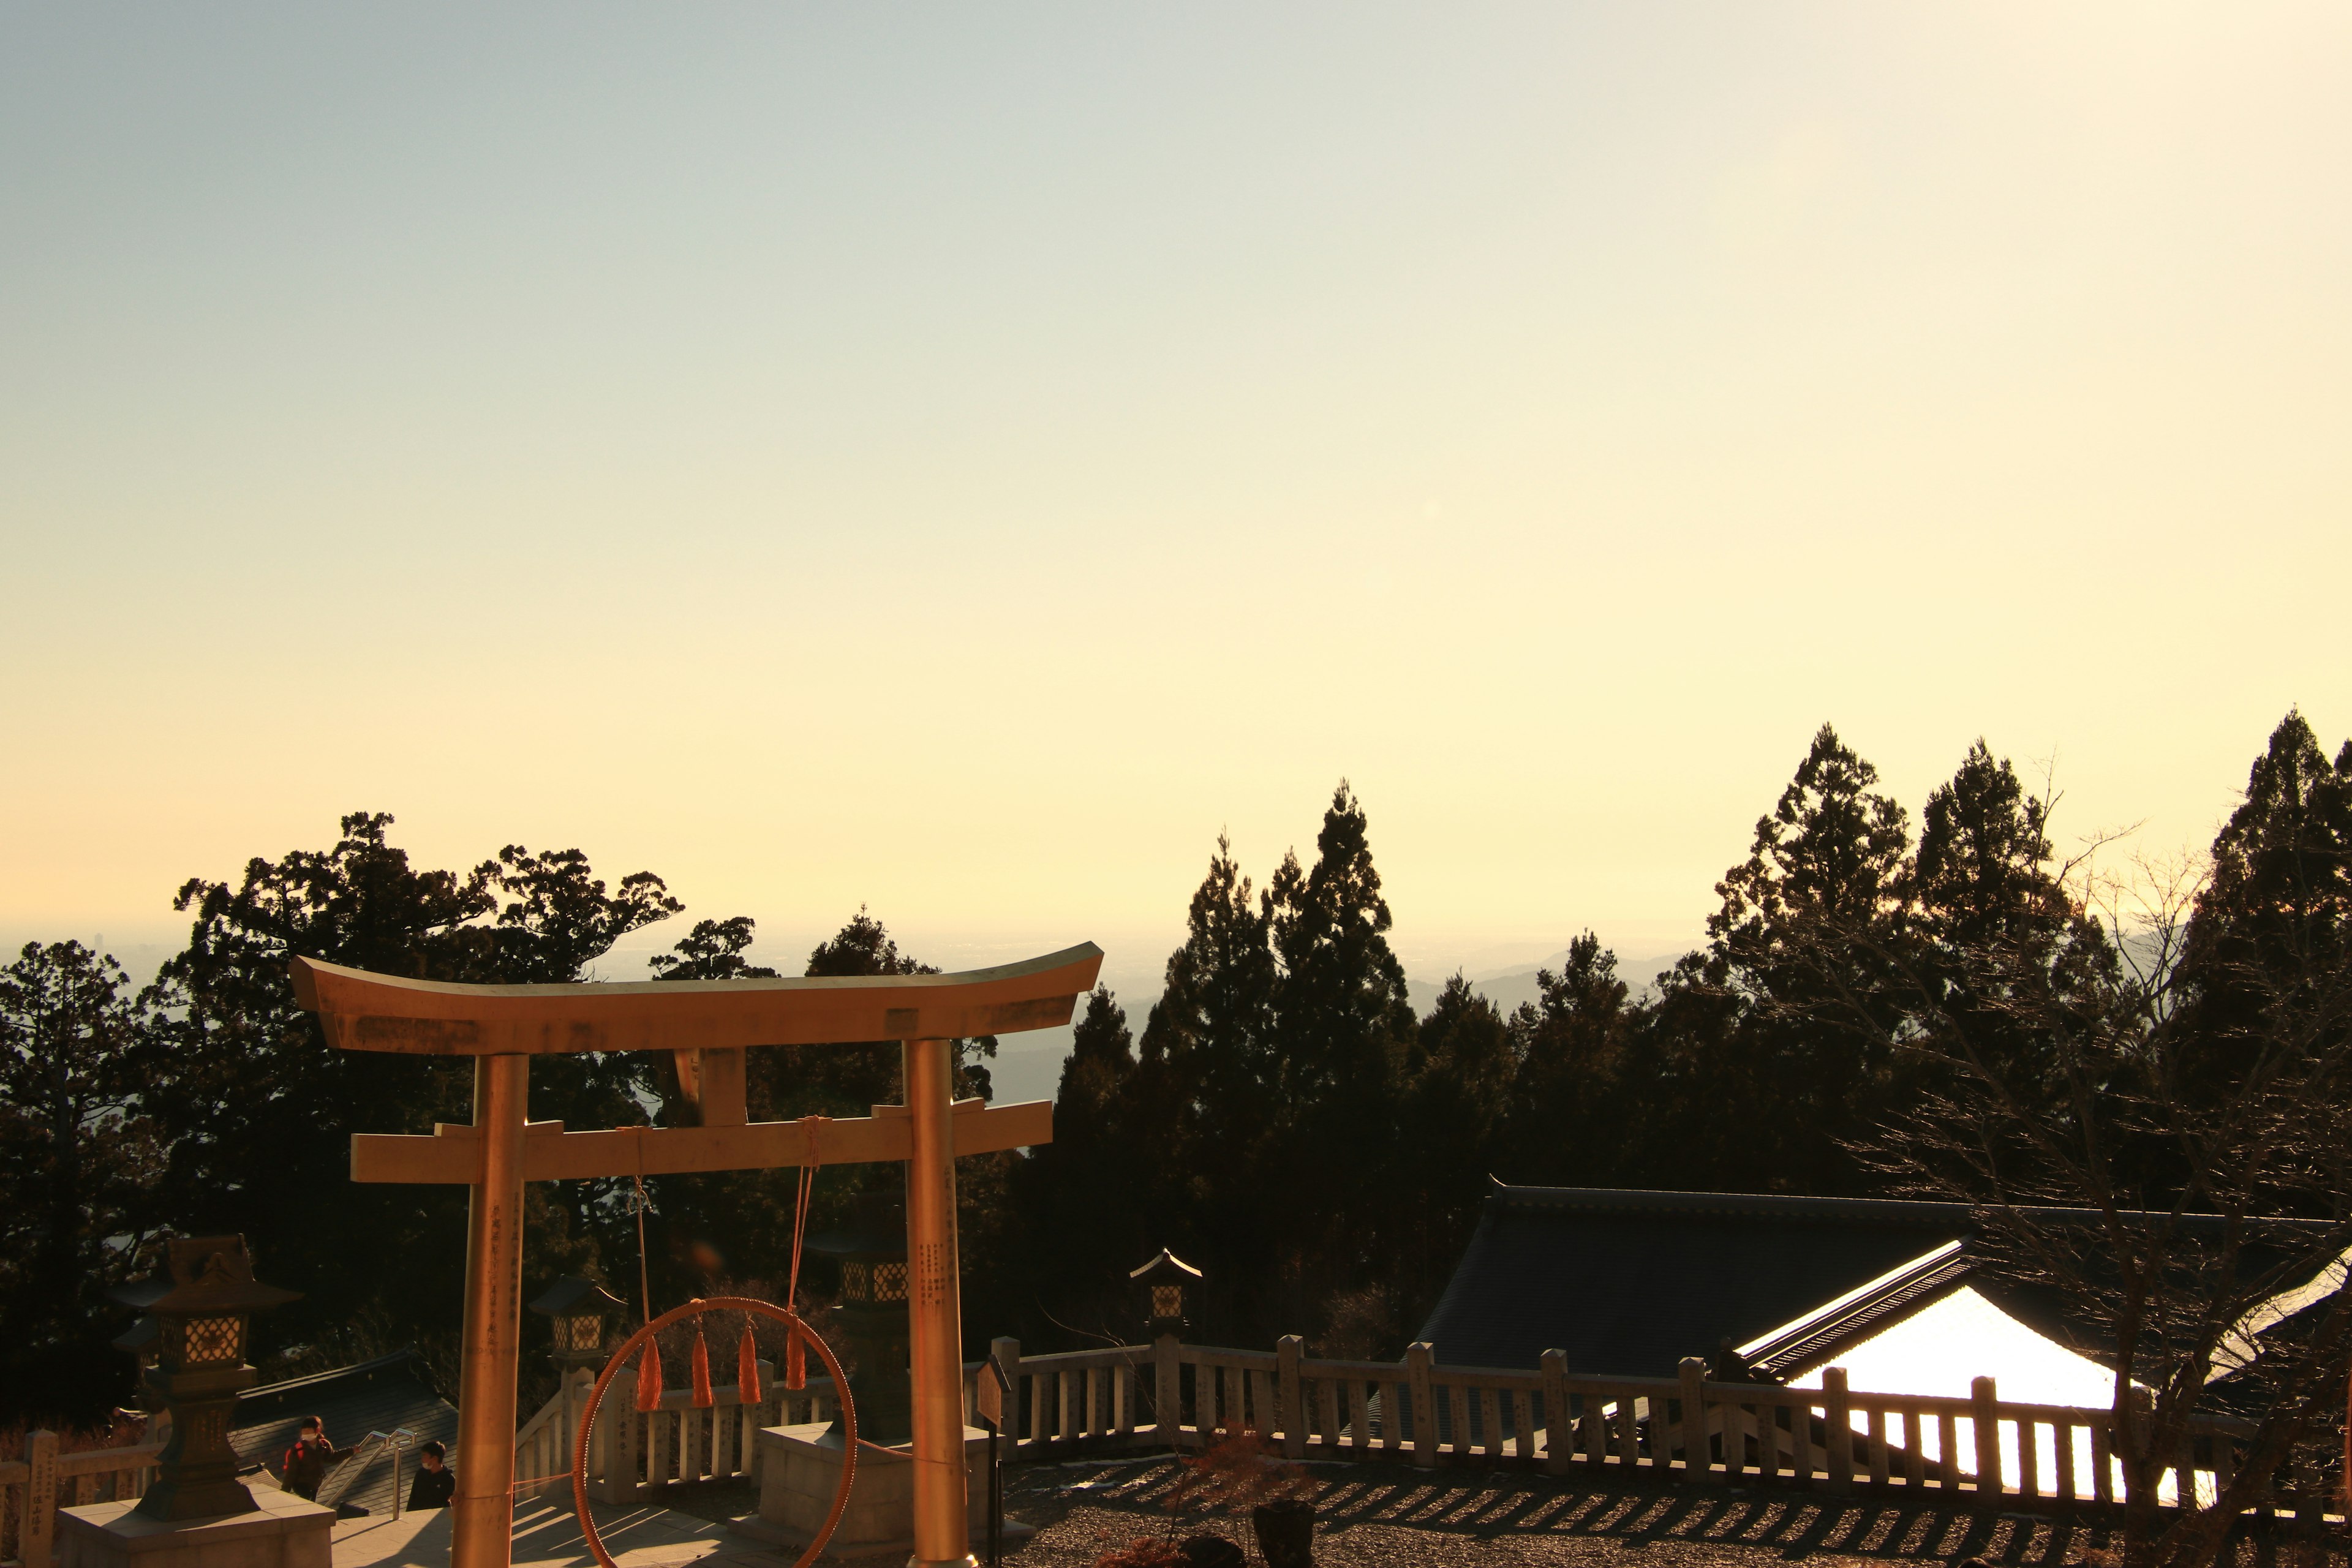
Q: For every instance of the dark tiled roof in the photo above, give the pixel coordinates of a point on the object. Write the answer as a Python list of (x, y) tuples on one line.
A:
[(374, 1397), (1628, 1283)]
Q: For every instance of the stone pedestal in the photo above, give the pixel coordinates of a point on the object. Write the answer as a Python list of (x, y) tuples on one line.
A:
[(283, 1532), (800, 1470)]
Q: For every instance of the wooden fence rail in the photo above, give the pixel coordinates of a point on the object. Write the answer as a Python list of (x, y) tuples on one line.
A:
[(1683, 1429), (1979, 1451)]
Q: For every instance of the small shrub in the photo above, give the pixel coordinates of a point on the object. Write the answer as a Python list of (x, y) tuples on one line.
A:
[(1143, 1551), (1209, 1552)]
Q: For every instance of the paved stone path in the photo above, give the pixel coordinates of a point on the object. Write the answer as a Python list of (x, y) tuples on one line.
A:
[(549, 1537)]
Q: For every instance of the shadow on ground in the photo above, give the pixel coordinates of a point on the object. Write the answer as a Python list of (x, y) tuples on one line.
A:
[(1395, 1515)]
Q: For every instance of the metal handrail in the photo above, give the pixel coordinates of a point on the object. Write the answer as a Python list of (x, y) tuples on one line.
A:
[(345, 1475)]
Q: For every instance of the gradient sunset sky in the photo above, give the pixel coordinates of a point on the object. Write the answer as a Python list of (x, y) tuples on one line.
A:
[(959, 459)]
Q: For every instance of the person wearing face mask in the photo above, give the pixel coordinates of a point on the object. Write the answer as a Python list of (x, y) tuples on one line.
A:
[(435, 1480)]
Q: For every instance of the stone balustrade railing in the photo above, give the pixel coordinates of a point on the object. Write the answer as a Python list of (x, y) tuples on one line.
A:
[(34, 1488)]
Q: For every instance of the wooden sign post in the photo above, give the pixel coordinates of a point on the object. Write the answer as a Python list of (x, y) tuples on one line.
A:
[(989, 1393), (709, 1023)]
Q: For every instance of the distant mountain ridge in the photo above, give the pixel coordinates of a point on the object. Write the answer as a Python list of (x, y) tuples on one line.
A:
[(1508, 991), (1029, 1066)]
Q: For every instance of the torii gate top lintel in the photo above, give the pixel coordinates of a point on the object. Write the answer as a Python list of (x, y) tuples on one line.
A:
[(362, 1011)]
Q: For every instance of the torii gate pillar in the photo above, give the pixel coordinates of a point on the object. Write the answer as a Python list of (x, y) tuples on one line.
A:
[(481, 1512), (711, 1023), (935, 1313)]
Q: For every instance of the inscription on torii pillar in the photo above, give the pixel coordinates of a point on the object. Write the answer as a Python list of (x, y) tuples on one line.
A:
[(709, 1023)]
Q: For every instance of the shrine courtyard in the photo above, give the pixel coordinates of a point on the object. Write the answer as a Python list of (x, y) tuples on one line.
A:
[(1373, 1514)]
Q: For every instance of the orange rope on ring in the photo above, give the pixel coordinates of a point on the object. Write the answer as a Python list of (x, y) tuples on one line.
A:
[(795, 1364), (798, 1333)]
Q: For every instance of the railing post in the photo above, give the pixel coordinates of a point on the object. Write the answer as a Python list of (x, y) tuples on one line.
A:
[(600, 1447), (1986, 1420), (696, 1438), (624, 1428), (567, 1419), (726, 1436), (1168, 1391), (1424, 1403), (37, 1531), (2135, 1440), (1837, 1412), (1006, 1352), (1698, 1465), (1290, 1395), (661, 1446), (1559, 1433)]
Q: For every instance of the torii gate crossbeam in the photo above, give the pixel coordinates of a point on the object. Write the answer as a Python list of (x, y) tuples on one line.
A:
[(709, 1025)]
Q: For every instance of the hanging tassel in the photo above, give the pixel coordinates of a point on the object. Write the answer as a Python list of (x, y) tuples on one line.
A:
[(703, 1399), (747, 1369), (649, 1384), (795, 1362)]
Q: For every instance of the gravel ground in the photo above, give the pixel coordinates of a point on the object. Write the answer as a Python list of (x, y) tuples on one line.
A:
[(1402, 1518), (1399, 1517)]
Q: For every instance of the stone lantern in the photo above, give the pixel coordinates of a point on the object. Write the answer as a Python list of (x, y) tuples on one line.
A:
[(200, 1305), (577, 1309), (872, 1251), (1164, 1280)]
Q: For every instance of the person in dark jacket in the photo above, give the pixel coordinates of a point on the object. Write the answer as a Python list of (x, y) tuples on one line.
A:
[(435, 1480), (307, 1462)]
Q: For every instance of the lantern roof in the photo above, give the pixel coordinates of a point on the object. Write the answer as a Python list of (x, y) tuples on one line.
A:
[(1169, 1267), (204, 1274), (575, 1296)]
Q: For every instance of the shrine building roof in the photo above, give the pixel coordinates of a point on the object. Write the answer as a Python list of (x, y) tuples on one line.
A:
[(1628, 1283)]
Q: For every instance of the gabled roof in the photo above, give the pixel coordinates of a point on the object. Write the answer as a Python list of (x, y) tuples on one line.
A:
[(1628, 1283), (376, 1396), (2285, 1317), (1816, 1338)]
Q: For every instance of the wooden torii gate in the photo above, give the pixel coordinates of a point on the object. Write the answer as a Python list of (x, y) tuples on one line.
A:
[(709, 1023)]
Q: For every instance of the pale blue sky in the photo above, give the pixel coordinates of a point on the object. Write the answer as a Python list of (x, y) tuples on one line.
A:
[(960, 458)]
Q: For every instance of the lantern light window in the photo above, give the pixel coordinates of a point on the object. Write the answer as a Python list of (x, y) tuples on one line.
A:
[(213, 1341)]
